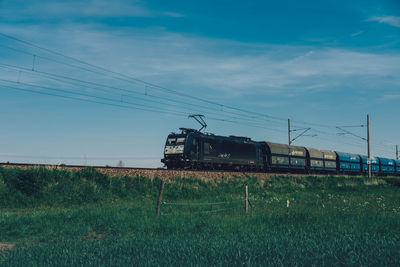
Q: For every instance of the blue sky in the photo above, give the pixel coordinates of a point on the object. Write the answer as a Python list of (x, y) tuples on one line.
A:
[(321, 63)]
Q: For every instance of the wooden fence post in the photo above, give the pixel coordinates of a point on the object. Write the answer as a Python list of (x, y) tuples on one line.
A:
[(246, 199), (287, 207), (160, 198)]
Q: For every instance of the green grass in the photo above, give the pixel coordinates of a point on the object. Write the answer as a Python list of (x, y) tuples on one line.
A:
[(86, 218)]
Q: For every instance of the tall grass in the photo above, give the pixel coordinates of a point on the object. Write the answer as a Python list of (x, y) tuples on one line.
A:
[(59, 187), (62, 218)]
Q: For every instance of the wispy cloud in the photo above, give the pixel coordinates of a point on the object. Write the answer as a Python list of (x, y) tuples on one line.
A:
[(172, 14), (74, 9), (357, 33), (391, 20), (213, 65), (390, 97)]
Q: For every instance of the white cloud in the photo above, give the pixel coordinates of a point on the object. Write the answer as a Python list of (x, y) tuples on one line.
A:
[(357, 33), (215, 66), (391, 20), (83, 9), (172, 14), (389, 97)]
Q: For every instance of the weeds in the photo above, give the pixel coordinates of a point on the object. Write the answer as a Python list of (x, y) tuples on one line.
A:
[(87, 218)]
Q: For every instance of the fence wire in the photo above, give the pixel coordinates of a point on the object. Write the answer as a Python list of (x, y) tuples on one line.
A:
[(200, 203), (197, 207), (197, 212)]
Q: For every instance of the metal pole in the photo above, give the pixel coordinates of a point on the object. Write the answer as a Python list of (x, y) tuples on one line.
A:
[(397, 152), (369, 149), (290, 139), (158, 209), (246, 199)]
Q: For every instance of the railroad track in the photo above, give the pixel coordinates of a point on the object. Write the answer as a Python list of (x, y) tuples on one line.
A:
[(149, 172)]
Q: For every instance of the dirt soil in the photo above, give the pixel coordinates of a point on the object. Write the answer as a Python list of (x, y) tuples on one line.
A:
[(6, 246)]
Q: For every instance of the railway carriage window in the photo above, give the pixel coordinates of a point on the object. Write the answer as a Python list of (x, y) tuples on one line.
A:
[(280, 160), (330, 164), (298, 162), (316, 163)]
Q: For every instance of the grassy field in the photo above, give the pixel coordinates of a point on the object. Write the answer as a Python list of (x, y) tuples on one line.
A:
[(62, 218)]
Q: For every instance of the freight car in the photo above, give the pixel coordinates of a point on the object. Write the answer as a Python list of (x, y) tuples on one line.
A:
[(192, 149)]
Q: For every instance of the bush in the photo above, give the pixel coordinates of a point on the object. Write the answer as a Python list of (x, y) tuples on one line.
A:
[(96, 177), (53, 187), (29, 182)]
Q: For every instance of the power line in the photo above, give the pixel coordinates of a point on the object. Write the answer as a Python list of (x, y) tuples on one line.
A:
[(143, 107), (136, 80), (143, 82), (63, 78), (77, 157), (122, 106), (81, 99), (344, 131), (76, 93)]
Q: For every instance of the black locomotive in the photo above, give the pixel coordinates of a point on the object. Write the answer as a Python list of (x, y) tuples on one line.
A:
[(196, 150), (192, 149)]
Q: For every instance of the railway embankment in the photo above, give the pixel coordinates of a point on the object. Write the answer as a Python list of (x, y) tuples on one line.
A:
[(148, 172)]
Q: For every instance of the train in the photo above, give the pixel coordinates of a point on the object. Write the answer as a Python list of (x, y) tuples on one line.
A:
[(192, 149)]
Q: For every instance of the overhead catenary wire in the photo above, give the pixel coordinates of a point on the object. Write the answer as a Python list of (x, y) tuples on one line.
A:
[(79, 99), (136, 80), (78, 157), (100, 85), (355, 144), (66, 79), (142, 107), (121, 105), (356, 140), (82, 94), (144, 82)]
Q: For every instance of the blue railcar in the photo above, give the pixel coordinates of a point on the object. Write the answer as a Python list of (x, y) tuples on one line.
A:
[(397, 162), (350, 163), (374, 165), (386, 166)]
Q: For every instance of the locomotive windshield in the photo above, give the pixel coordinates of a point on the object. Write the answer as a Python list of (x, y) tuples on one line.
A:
[(176, 141), (180, 141), (171, 141)]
